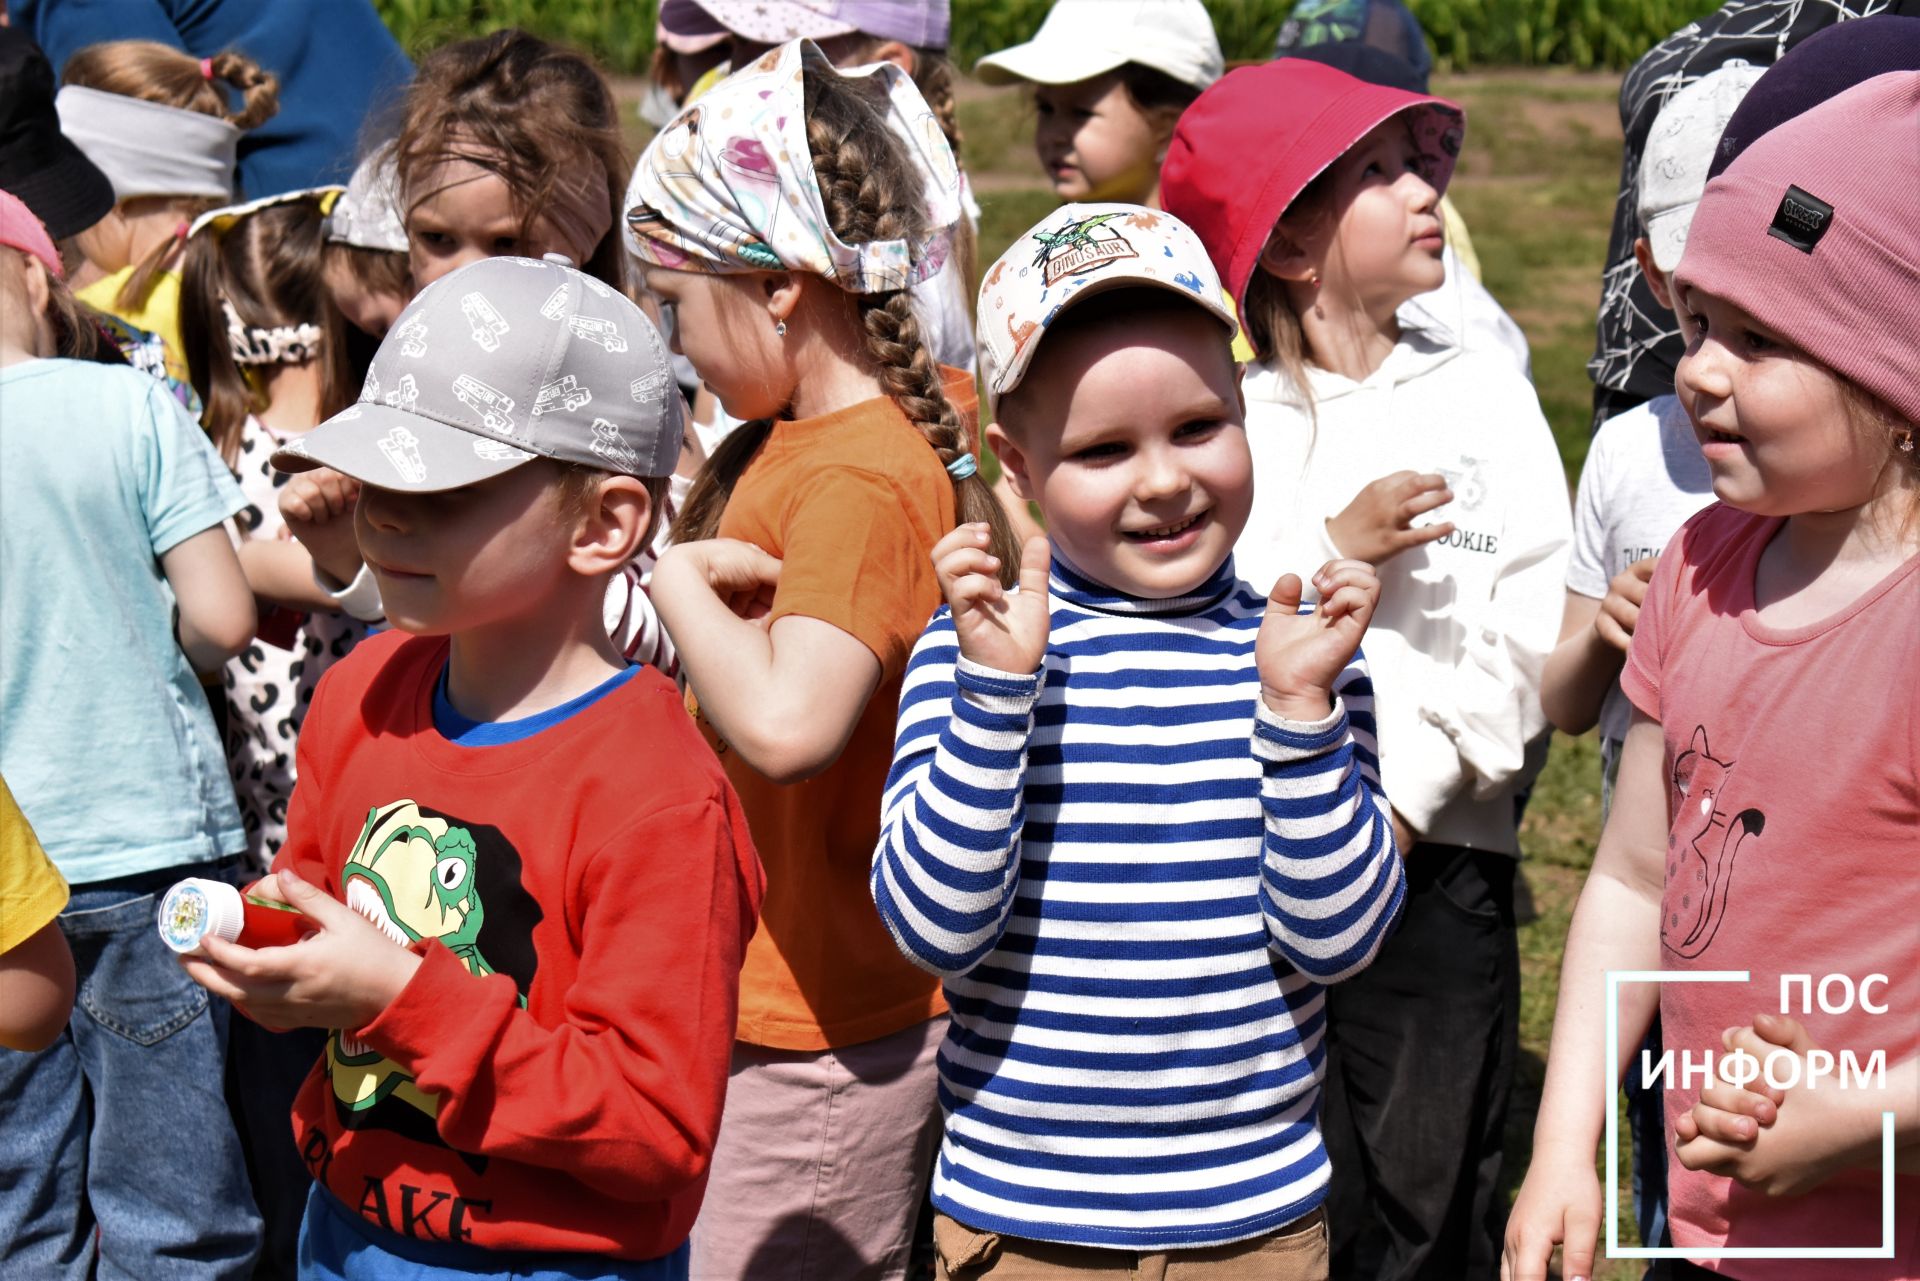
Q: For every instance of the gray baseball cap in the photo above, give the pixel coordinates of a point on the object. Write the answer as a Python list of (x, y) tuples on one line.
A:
[(501, 361)]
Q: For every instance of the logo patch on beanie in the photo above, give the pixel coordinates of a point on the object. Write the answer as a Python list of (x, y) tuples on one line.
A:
[(1801, 220)]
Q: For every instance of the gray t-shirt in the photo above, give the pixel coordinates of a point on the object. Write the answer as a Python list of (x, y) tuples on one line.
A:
[(1643, 477)]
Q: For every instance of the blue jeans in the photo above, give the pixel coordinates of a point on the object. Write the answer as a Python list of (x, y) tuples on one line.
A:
[(120, 1129), (338, 1245)]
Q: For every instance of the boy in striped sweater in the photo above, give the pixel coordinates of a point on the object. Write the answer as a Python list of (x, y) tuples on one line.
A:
[(1134, 816)]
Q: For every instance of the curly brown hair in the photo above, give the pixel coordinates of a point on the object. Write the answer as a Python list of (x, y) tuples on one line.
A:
[(540, 109)]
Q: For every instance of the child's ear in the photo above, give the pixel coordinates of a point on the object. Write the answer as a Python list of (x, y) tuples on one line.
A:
[(782, 292), (898, 53), (1286, 259), (609, 533), (1657, 281), (1013, 461)]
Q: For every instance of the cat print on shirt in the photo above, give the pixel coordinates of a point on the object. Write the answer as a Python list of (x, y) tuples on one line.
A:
[(1703, 846)]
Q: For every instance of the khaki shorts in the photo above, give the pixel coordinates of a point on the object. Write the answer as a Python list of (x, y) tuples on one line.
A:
[(1297, 1252)]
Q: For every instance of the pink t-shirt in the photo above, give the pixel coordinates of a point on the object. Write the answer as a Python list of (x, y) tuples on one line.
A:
[(1793, 757)]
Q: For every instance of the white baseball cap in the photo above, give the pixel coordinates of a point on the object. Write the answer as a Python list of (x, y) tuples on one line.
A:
[(1081, 39), (1073, 253), (1678, 153)]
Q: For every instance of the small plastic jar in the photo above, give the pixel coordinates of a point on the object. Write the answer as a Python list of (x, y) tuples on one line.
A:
[(197, 907)]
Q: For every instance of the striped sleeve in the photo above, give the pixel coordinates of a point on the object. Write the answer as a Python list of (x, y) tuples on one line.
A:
[(948, 862), (1332, 883)]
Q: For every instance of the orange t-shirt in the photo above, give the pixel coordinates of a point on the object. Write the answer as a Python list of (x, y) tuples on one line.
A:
[(852, 503)]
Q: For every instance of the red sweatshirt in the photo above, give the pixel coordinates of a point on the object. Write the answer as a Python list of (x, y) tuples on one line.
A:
[(551, 1078)]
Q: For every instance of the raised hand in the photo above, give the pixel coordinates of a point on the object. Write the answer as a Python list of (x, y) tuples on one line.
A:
[(317, 506), (1004, 630), (1300, 656), (1620, 611), (1378, 524)]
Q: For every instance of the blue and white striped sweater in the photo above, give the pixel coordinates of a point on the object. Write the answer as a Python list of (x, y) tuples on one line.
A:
[(1135, 880)]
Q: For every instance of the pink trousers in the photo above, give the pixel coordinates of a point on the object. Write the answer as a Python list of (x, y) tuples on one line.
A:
[(822, 1161)]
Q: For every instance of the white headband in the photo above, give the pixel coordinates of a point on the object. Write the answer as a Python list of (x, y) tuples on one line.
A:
[(147, 149), (280, 345)]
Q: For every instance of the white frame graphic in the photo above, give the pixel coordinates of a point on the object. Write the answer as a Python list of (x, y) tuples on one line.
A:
[(1614, 1250)]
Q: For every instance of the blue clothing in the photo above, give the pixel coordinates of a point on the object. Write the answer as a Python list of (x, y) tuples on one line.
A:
[(338, 1245), (121, 1125), (106, 737), (1136, 881), (336, 61), (457, 727)]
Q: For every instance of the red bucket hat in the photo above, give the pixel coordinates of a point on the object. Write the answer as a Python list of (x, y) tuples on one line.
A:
[(1249, 146)]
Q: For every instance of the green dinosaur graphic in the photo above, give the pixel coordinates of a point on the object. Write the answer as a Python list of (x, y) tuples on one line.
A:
[(1075, 235), (414, 875)]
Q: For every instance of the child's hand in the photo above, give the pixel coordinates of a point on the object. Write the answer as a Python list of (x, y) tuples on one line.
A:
[(1620, 611), (341, 976), (1559, 1204), (1301, 655), (743, 576), (318, 508), (1378, 524), (1006, 631), (1780, 1142)]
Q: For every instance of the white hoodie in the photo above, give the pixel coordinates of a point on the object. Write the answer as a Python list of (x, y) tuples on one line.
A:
[(1464, 624)]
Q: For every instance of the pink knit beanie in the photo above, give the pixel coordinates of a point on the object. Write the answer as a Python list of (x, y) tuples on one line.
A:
[(1814, 231)]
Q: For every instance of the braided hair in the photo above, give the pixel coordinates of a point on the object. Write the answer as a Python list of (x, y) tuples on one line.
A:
[(872, 191)]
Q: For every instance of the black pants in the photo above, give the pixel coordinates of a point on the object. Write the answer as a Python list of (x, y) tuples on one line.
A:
[(265, 1070), (1420, 1057)]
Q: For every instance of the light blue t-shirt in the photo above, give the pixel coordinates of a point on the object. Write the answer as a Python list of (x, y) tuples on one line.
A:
[(105, 736)]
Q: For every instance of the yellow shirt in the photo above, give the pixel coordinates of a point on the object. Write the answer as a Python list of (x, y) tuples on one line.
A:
[(160, 316), (32, 891)]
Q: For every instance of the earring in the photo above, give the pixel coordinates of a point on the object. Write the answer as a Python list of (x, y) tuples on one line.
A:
[(780, 329), (1313, 278), (1906, 443)]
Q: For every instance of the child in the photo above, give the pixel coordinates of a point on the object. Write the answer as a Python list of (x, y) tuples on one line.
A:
[(120, 584), (1109, 81), (1643, 477), (158, 122), (365, 262), (1342, 231), (510, 145), (547, 881), (36, 965), (264, 347), (911, 34), (1132, 818), (1764, 816), (783, 222)]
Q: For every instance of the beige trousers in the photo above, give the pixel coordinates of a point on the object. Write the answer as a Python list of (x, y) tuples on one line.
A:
[(1297, 1252)]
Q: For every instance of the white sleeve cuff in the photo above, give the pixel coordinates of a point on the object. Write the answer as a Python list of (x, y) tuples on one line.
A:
[(359, 599)]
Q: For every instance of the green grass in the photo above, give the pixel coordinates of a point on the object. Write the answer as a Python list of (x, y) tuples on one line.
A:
[(1463, 33)]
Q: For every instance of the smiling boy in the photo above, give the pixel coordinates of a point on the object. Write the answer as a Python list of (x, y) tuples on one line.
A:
[(1133, 817), (530, 883)]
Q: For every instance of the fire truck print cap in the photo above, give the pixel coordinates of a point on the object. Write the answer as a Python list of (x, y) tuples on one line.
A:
[(502, 361)]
